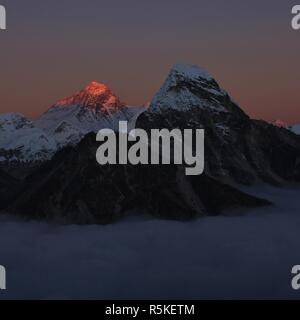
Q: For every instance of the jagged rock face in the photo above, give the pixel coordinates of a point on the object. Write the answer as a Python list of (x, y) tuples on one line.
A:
[(89, 110), (237, 149), (74, 188), (21, 141)]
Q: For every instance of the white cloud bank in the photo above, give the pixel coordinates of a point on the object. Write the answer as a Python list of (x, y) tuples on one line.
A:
[(234, 256)]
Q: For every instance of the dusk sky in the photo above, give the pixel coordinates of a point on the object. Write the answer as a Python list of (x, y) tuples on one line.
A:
[(53, 48)]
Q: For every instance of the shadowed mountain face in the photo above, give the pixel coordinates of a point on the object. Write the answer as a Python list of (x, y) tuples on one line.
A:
[(74, 188), (8, 186)]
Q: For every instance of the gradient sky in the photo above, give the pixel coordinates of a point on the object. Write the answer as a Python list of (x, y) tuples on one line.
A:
[(55, 47)]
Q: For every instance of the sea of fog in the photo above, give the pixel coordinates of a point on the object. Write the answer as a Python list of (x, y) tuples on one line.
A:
[(244, 254)]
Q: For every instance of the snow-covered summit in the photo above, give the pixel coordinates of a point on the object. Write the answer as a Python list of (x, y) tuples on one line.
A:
[(93, 108), (191, 71), (95, 96), (65, 123), (188, 86)]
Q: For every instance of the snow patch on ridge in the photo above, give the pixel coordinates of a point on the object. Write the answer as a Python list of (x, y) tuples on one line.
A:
[(20, 140)]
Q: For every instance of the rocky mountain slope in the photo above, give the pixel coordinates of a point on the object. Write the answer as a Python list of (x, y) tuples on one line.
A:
[(237, 149), (74, 188)]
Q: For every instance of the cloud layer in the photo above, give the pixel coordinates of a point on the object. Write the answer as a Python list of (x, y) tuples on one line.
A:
[(234, 256)]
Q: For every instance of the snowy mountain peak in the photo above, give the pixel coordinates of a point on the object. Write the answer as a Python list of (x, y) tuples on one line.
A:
[(93, 108), (190, 71), (96, 88), (96, 97), (189, 86)]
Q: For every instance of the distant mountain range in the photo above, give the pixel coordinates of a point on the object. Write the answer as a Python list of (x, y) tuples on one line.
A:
[(72, 187), (65, 123), (89, 110)]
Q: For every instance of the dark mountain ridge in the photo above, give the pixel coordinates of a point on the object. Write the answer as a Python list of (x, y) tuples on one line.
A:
[(74, 188)]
